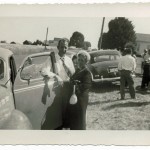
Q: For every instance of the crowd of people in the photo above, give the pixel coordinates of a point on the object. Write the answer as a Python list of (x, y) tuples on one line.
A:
[(75, 76)]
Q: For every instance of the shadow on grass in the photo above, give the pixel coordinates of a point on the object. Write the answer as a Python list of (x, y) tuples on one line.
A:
[(140, 91), (128, 104), (98, 102), (102, 102), (94, 103), (104, 87)]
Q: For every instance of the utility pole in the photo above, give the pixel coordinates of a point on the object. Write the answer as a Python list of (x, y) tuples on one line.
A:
[(101, 36), (46, 38)]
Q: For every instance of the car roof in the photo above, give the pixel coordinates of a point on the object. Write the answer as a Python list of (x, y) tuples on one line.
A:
[(102, 52), (5, 53), (38, 54), (73, 51), (41, 53)]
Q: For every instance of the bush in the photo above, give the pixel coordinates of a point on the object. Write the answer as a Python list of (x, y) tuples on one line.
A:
[(3, 41), (12, 42), (26, 42)]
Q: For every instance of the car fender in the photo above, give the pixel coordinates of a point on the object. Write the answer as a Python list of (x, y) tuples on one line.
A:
[(17, 121)]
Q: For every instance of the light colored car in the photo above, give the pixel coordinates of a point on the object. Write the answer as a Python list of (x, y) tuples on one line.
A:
[(26, 94), (10, 118)]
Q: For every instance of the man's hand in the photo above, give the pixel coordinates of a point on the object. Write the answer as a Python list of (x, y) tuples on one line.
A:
[(59, 80)]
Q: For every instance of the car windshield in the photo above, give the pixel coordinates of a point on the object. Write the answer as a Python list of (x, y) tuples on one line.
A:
[(1, 69), (102, 58)]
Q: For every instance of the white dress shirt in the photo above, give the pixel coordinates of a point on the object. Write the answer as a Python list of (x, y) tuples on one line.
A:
[(61, 70), (47, 69), (127, 62)]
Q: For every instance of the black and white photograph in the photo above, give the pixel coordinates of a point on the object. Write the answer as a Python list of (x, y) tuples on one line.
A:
[(74, 73)]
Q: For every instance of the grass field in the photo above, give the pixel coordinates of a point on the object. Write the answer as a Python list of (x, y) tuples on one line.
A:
[(21, 51), (105, 110)]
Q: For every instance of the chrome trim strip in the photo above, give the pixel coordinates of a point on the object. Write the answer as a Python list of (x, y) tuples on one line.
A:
[(28, 88)]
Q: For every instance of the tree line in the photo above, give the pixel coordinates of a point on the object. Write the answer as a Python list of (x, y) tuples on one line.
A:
[(120, 34), (77, 40)]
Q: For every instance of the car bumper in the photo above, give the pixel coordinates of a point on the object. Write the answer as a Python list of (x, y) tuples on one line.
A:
[(108, 79), (105, 79)]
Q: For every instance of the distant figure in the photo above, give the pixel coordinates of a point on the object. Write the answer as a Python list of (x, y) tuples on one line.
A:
[(143, 60), (146, 69), (126, 66), (144, 54)]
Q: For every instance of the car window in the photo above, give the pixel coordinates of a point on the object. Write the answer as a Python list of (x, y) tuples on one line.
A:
[(34, 65), (106, 58), (1, 69)]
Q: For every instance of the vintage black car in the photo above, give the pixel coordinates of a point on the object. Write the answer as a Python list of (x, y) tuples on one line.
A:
[(103, 64)]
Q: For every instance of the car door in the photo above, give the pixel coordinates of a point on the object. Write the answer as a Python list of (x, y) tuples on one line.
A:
[(38, 97)]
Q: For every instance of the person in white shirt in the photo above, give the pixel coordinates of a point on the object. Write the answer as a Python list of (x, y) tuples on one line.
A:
[(64, 64), (65, 69), (143, 60), (127, 66)]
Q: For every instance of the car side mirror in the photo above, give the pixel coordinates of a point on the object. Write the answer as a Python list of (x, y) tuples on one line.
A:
[(28, 62), (28, 78)]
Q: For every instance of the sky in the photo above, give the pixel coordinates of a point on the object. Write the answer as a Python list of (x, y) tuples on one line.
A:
[(19, 29)]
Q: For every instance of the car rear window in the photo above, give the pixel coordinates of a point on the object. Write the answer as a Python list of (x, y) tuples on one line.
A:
[(1, 69), (102, 58)]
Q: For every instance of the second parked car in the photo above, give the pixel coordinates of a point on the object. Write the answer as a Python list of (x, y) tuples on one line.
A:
[(103, 64)]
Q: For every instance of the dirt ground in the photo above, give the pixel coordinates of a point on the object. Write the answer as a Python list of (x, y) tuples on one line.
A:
[(106, 112)]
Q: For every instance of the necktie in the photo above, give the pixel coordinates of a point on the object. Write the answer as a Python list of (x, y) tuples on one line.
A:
[(65, 67)]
